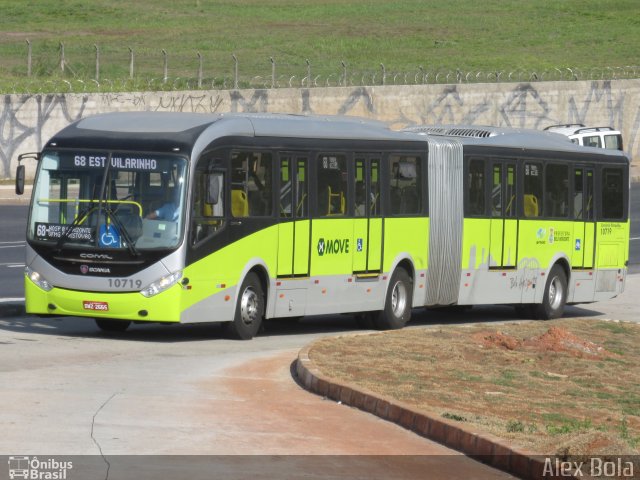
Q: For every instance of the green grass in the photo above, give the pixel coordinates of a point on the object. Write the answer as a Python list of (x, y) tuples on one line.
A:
[(558, 424), (493, 35)]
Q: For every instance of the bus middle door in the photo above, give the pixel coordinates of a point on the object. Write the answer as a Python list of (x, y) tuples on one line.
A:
[(583, 212), (294, 227), (504, 223), (367, 226)]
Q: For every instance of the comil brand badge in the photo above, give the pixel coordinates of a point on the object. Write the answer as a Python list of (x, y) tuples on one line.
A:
[(38, 469)]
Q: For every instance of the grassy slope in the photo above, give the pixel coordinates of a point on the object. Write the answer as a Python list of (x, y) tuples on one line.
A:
[(465, 34)]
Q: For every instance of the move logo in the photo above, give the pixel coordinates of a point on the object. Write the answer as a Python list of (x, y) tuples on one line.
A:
[(333, 246)]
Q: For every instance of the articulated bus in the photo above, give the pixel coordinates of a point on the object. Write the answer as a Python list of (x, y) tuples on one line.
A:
[(239, 218)]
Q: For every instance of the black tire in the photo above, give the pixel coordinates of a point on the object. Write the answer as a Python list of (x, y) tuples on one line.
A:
[(110, 325), (555, 295), (397, 305), (249, 310)]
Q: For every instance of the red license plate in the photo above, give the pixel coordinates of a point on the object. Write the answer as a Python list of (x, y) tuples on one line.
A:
[(96, 306)]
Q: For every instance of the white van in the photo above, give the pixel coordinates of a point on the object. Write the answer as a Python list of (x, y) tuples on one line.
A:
[(599, 137)]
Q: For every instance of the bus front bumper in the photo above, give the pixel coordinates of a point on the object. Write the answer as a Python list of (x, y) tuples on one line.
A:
[(164, 307)]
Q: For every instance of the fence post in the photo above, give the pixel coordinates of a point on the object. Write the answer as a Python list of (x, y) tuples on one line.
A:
[(199, 70), (421, 74), (384, 74), (62, 60), (273, 72), (166, 67), (97, 62), (235, 71), (131, 63), (308, 74), (28, 58), (344, 72)]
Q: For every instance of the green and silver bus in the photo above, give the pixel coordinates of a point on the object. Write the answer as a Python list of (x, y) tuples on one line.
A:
[(240, 218)]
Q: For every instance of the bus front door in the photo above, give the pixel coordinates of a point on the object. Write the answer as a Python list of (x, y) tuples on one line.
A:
[(294, 227), (367, 226), (584, 225), (504, 223)]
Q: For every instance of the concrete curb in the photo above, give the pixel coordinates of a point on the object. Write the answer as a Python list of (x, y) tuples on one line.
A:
[(480, 446)]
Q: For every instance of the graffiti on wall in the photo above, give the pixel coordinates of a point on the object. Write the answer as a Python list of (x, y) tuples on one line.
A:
[(24, 118), (28, 120)]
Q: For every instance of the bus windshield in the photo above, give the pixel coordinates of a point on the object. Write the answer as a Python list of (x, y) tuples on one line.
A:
[(99, 200)]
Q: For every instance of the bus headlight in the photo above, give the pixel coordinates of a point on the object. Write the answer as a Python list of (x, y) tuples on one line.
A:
[(162, 284), (38, 279)]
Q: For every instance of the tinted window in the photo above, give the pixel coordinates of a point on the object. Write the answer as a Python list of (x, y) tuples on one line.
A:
[(612, 193), (557, 190), (496, 191), (293, 187), (251, 184), (476, 188), (406, 184), (532, 194), (207, 216), (332, 185)]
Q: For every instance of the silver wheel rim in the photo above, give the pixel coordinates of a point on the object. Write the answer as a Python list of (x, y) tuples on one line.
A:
[(555, 293), (398, 299), (249, 306)]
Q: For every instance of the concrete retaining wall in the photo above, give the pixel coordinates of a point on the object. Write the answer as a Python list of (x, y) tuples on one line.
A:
[(27, 121)]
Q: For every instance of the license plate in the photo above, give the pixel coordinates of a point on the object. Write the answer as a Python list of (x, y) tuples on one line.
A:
[(96, 306)]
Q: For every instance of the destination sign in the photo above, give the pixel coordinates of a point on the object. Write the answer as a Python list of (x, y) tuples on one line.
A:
[(55, 231), (99, 162)]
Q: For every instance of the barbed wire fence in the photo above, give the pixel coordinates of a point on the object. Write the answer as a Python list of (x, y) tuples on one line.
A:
[(91, 68)]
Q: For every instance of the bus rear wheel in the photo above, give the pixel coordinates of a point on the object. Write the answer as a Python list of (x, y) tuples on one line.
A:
[(397, 305), (109, 325), (249, 310), (555, 295)]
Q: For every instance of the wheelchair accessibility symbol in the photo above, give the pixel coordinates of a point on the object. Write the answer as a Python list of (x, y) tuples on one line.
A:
[(108, 237)]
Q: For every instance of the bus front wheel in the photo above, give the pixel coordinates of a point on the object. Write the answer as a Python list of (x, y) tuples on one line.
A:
[(397, 305), (555, 295), (249, 310), (109, 325)]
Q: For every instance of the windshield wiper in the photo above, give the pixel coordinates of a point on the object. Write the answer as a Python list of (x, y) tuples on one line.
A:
[(76, 221)]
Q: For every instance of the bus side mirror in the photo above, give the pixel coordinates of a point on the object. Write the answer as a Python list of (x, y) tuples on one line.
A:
[(213, 188), (20, 180)]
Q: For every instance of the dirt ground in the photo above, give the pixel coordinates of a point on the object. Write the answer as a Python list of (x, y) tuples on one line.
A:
[(568, 387)]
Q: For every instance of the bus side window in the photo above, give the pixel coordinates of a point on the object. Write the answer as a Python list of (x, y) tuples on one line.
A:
[(476, 188), (406, 185), (612, 193), (557, 190), (332, 185), (588, 206), (251, 184), (496, 191), (578, 194), (208, 204), (532, 193)]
